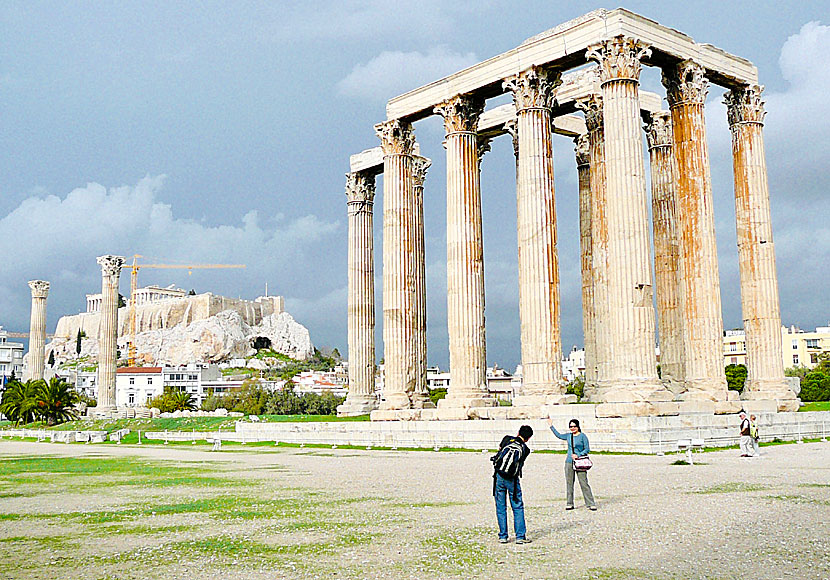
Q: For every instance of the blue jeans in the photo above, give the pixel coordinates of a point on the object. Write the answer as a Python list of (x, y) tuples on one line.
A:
[(505, 487)]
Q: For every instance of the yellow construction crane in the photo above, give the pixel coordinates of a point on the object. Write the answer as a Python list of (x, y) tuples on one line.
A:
[(135, 267)]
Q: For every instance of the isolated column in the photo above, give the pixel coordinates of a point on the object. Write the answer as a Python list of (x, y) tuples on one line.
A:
[(397, 141), (37, 331), (667, 274), (686, 89), (756, 251), (108, 337), (583, 169), (533, 93), (632, 365), (465, 255), (360, 192), (420, 396)]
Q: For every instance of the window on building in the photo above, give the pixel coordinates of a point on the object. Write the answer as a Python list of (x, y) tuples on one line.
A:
[(795, 359), (149, 380), (132, 380), (814, 358), (3, 368), (192, 377), (131, 399), (812, 343), (734, 360)]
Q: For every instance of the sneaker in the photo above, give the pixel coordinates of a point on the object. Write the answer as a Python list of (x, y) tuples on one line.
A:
[(593, 508), (523, 540), (569, 507), (502, 540)]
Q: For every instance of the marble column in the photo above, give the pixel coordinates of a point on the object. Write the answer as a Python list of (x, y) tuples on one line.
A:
[(583, 170), (465, 255), (666, 271), (420, 396), (756, 251), (360, 193), (37, 331), (592, 109), (533, 93), (398, 141), (686, 89), (108, 335), (632, 369)]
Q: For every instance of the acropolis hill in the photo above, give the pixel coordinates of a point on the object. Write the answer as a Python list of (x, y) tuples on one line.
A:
[(175, 328)]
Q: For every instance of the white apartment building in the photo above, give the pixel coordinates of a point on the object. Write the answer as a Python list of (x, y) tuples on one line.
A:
[(573, 365), (11, 358), (134, 386), (799, 348), (319, 382)]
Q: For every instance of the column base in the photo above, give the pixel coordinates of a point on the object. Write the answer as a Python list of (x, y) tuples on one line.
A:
[(639, 409), (421, 401), (356, 406), (539, 400), (698, 394), (395, 401), (647, 391), (783, 398)]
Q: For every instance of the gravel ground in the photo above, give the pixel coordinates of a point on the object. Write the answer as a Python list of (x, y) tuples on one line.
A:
[(431, 515)]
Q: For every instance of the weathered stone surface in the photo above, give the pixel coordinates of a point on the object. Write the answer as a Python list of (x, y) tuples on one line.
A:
[(728, 407), (637, 409), (761, 406), (694, 407)]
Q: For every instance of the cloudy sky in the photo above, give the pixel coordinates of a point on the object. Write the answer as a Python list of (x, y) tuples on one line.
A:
[(220, 132)]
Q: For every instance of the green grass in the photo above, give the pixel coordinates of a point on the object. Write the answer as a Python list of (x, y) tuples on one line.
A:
[(816, 406), (731, 487)]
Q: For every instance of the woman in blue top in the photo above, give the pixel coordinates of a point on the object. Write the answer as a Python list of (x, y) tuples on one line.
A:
[(577, 446)]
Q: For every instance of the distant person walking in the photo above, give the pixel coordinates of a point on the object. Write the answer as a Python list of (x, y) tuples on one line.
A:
[(577, 447), (507, 464), (746, 438), (756, 439)]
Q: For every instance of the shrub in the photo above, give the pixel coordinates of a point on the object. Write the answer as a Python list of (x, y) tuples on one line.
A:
[(815, 387), (436, 395), (576, 387), (735, 377)]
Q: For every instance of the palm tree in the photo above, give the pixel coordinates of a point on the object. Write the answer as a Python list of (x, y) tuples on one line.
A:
[(182, 401), (55, 401), (20, 401)]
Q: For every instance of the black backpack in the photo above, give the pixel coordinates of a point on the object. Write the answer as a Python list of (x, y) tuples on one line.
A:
[(508, 461)]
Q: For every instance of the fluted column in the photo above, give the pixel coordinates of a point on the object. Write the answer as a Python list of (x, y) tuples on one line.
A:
[(592, 108), (632, 368), (533, 93), (360, 193), (420, 396), (686, 89), (666, 271), (583, 169), (465, 255), (37, 331), (107, 339), (756, 251), (397, 141)]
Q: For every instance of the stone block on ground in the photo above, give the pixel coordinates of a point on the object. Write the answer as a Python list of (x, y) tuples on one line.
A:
[(451, 413), (728, 407), (760, 406), (697, 407), (788, 405), (459, 402), (636, 409)]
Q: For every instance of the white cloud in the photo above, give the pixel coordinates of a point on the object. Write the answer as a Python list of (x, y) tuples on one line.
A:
[(395, 72), (58, 239)]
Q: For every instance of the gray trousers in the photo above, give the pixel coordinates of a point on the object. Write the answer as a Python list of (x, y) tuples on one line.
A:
[(587, 495), (746, 446)]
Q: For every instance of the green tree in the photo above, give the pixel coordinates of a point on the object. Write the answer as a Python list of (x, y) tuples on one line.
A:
[(815, 386), (576, 387), (55, 401), (19, 402), (78, 343), (436, 395), (51, 361), (735, 377), (182, 401)]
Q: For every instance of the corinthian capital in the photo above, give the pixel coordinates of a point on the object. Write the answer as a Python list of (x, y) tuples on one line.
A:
[(686, 83), (360, 187), (40, 288), (744, 105), (591, 107), (534, 88), (460, 113), (111, 265), (582, 149), (396, 137), (618, 58), (419, 170), (659, 129), (513, 130)]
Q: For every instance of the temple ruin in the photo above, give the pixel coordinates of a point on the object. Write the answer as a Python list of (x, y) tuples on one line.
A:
[(601, 106)]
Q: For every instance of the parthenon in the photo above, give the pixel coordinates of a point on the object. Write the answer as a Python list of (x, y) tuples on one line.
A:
[(601, 106)]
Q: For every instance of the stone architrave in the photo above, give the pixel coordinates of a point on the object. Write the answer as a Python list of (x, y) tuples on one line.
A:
[(583, 169), (107, 339), (360, 192), (420, 396), (667, 273), (465, 256), (630, 331), (700, 301), (37, 331), (542, 383), (398, 141), (598, 315), (756, 251)]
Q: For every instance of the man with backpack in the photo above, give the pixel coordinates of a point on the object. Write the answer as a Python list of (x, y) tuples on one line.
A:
[(507, 464)]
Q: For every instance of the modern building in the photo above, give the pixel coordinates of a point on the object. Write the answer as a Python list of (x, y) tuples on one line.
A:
[(800, 348), (11, 358)]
